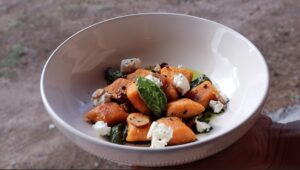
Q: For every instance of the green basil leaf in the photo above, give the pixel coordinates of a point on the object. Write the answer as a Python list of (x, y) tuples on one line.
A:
[(152, 95)]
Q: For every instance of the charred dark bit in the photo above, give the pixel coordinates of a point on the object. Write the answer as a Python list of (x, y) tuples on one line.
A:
[(163, 64), (124, 102), (121, 98)]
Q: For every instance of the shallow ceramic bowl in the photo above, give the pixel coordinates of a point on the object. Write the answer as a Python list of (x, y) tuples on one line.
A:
[(75, 69)]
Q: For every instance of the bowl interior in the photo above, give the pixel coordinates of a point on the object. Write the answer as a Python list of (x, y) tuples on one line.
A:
[(76, 68)]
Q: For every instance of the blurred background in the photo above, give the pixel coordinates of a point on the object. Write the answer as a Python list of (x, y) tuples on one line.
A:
[(31, 29)]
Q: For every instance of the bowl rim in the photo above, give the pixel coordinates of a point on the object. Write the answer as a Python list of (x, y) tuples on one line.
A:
[(73, 130)]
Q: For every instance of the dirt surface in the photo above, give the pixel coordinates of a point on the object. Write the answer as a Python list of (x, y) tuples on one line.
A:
[(31, 29)]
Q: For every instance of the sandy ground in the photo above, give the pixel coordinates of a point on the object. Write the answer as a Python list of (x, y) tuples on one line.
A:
[(31, 29)]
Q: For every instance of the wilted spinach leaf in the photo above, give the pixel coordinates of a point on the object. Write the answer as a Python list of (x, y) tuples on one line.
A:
[(118, 133), (111, 74), (199, 80)]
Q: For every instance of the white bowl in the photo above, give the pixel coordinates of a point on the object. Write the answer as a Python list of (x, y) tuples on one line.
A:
[(75, 69)]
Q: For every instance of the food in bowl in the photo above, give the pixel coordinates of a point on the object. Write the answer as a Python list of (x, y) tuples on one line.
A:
[(75, 69), (161, 104)]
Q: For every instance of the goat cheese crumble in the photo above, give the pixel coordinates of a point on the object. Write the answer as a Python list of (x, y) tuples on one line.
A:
[(130, 65), (154, 80), (100, 96), (160, 135), (181, 83), (217, 106), (101, 128), (157, 68), (202, 126)]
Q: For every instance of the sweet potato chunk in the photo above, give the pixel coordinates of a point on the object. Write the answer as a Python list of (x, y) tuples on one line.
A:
[(184, 108), (203, 93), (181, 132), (169, 88), (162, 78), (139, 72), (118, 86), (111, 113), (171, 92), (171, 71), (135, 98), (137, 133)]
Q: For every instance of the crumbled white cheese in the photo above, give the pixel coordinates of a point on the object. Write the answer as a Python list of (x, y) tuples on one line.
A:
[(181, 83), (179, 66), (97, 93), (105, 98), (151, 129), (100, 96), (158, 143), (217, 106), (157, 68), (130, 65), (202, 126), (101, 128), (154, 80), (160, 135)]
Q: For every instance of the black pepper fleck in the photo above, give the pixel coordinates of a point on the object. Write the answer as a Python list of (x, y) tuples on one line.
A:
[(185, 112)]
